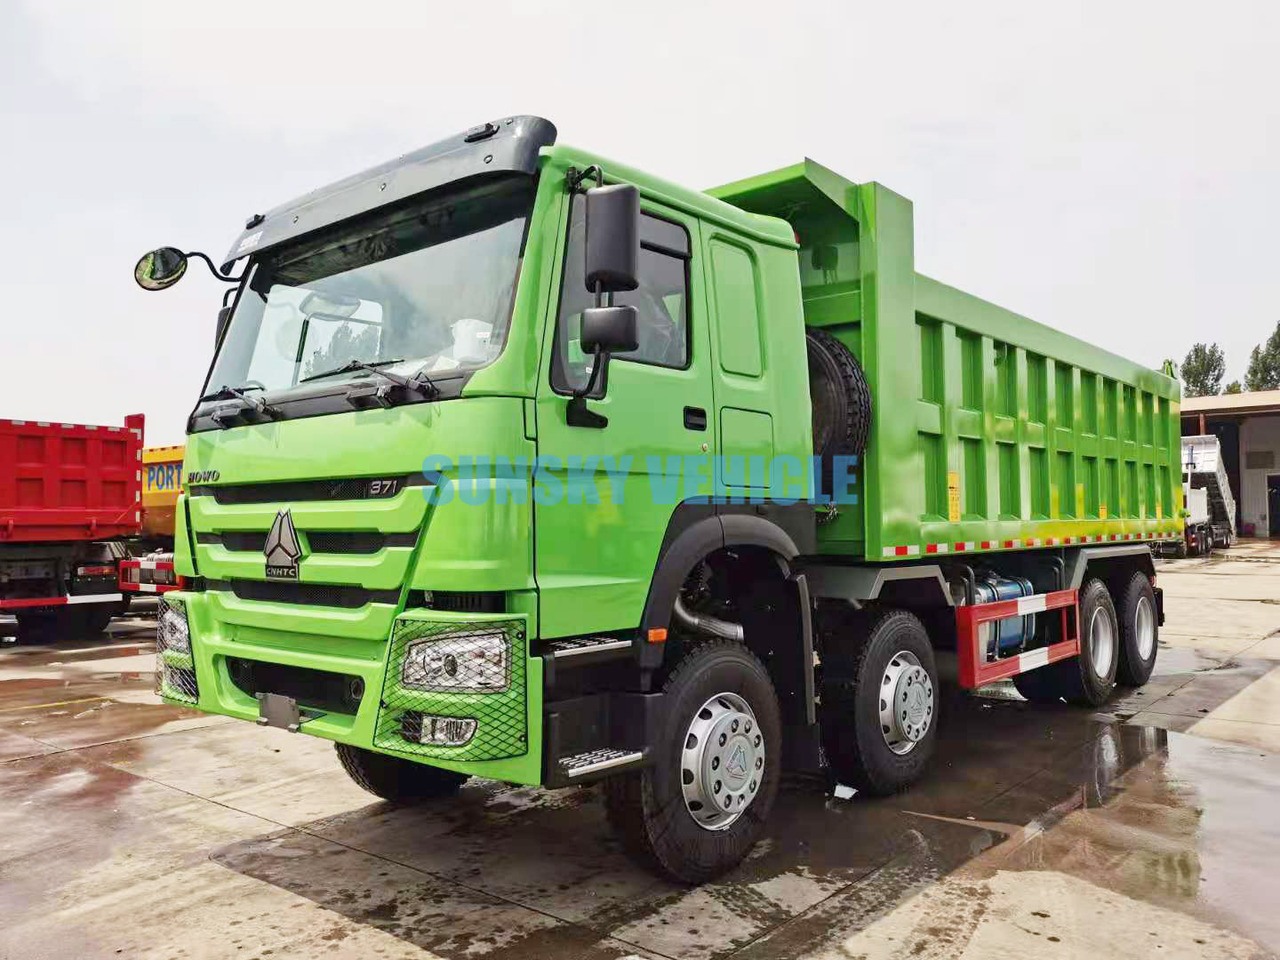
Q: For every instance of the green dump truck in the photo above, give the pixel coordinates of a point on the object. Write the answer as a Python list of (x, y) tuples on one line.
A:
[(515, 462)]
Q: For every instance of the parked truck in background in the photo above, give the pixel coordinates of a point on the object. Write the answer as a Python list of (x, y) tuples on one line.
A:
[(69, 501), (515, 462), (1211, 520), (150, 568)]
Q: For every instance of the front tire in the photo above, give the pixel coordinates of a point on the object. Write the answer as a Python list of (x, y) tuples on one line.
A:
[(394, 778), (879, 704), (699, 808), (1139, 631)]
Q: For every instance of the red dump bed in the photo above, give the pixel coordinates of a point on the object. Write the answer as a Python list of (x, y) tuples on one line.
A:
[(69, 481)]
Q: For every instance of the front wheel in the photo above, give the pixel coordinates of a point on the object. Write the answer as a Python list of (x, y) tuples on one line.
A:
[(393, 778), (699, 808)]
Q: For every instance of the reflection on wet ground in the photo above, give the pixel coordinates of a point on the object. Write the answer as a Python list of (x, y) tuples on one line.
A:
[(134, 828)]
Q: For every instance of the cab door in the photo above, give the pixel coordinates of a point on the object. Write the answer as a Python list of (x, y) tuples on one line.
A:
[(603, 496)]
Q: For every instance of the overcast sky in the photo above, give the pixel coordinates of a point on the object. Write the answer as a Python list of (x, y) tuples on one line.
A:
[(1109, 168)]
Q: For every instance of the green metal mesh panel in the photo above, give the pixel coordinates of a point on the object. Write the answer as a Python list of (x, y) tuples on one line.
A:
[(175, 668), (501, 727)]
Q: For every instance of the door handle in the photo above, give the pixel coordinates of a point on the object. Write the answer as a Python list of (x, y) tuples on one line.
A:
[(695, 418)]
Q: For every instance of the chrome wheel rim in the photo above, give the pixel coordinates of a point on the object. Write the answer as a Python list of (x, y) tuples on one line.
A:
[(1102, 642), (722, 763), (1144, 628), (906, 702)]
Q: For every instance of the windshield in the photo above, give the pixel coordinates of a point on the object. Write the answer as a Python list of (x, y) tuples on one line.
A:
[(425, 287)]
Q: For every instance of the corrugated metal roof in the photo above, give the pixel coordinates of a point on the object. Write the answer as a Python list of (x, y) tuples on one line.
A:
[(1260, 401)]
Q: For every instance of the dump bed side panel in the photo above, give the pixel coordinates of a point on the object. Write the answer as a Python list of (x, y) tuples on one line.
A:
[(63, 481), (989, 431)]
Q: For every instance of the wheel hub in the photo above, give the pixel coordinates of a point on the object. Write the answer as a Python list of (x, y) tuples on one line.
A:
[(1145, 628), (722, 764), (1102, 643), (906, 702)]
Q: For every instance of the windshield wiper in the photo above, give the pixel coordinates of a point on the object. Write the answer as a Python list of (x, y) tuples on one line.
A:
[(257, 404), (228, 393), (227, 414), (419, 383)]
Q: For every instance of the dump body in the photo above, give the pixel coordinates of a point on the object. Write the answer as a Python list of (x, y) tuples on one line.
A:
[(989, 431), (161, 485), (69, 482), (70, 495)]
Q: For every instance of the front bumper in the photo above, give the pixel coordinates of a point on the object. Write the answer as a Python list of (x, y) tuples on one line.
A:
[(354, 695)]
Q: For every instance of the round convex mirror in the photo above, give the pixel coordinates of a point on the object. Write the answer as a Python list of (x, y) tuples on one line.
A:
[(160, 268)]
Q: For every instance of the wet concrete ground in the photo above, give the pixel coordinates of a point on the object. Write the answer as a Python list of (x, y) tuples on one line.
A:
[(129, 828)]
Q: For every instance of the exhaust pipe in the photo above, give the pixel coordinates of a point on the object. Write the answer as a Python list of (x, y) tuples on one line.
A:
[(709, 625)]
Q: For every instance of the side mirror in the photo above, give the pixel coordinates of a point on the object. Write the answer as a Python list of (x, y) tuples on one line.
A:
[(613, 238), (608, 330), (160, 268)]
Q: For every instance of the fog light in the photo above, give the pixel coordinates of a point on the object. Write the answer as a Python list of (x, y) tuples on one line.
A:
[(438, 731), (172, 632), (477, 663)]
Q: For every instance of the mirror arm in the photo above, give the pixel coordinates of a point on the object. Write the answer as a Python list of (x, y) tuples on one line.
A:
[(212, 269), (576, 413), (575, 176)]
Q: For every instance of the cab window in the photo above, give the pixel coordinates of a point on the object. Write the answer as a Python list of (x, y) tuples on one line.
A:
[(661, 301)]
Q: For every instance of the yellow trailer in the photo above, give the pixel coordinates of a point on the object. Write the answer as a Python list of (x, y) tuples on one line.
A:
[(161, 484)]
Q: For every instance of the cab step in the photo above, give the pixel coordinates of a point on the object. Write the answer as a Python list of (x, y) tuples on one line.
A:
[(598, 761), (574, 652), (586, 646)]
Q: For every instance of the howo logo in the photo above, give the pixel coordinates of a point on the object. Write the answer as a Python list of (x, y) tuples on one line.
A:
[(282, 549)]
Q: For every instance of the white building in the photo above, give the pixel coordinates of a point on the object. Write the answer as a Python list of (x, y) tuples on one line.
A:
[(1248, 427)]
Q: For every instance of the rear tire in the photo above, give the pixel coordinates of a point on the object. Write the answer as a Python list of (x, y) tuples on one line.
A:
[(37, 628), (394, 778), (664, 813), (1139, 631), (1087, 679), (877, 743)]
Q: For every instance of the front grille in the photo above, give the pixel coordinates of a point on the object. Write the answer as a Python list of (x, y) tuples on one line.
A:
[(320, 541), (323, 541), (330, 692), (501, 728), (248, 541), (175, 668), (345, 488), (309, 594), (459, 601)]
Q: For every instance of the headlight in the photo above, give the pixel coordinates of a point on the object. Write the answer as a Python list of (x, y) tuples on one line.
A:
[(172, 630), (478, 663)]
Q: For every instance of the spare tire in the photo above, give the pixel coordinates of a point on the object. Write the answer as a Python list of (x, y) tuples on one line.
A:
[(841, 401)]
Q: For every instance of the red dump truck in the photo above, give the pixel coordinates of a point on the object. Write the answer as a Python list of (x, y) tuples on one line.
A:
[(70, 498)]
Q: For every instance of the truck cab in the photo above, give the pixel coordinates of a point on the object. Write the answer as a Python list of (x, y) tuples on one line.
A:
[(515, 462)]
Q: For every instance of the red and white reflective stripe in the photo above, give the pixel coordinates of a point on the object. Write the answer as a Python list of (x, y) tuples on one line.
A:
[(132, 580), (964, 547), (911, 551), (27, 602), (935, 548)]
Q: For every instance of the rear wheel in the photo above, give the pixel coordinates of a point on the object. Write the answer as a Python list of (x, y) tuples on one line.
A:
[(37, 628), (697, 811), (879, 703), (1090, 677), (1139, 631), (394, 778)]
